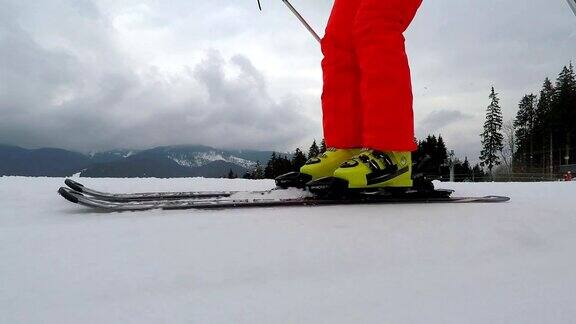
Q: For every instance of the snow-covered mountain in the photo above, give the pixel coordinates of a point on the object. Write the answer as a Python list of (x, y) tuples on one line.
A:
[(180, 161), (198, 159), (109, 156), (162, 162)]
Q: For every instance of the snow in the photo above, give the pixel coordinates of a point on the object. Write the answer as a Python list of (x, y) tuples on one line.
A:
[(198, 159), (469, 263)]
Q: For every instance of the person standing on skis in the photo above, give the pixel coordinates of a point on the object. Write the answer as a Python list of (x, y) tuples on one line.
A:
[(367, 95)]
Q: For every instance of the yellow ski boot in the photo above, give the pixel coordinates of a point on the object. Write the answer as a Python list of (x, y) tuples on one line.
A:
[(319, 167), (324, 164), (375, 169)]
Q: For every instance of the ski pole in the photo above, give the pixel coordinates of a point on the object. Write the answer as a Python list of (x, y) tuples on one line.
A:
[(305, 23), (572, 4), (299, 16)]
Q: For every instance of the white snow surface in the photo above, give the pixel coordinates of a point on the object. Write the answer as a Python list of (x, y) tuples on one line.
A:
[(512, 262)]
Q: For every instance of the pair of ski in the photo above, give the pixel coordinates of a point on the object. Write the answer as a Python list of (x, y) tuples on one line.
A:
[(77, 193)]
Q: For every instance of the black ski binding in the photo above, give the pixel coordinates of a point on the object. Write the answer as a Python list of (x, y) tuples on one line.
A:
[(293, 180)]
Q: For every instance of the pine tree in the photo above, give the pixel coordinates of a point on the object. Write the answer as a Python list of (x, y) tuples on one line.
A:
[(477, 173), (544, 105), (258, 172), (298, 160), (441, 150), (466, 170), (563, 111), (314, 150), (524, 124), (436, 150), (269, 170), (462, 170), (283, 165), (323, 146), (543, 130), (277, 165), (492, 136)]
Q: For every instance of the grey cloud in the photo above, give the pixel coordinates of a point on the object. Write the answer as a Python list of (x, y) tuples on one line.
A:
[(67, 68), (85, 94), (240, 109), (439, 119), (111, 107)]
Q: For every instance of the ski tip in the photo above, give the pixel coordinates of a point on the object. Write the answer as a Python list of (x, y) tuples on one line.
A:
[(74, 185), (67, 195), (497, 198)]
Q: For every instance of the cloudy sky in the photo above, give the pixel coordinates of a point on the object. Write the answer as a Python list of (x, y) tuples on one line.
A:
[(103, 74)]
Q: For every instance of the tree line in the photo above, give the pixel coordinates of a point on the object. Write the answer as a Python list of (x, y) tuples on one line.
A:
[(542, 135)]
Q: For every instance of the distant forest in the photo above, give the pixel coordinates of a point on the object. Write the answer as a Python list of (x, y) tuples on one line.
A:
[(539, 144), (545, 126)]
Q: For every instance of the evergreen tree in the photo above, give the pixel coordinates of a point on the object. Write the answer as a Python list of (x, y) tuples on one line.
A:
[(231, 175), (544, 105), (441, 150), (269, 170), (543, 130), (462, 170), (277, 165), (466, 164), (258, 172), (284, 165), (478, 174), (492, 136), (314, 150), (434, 150), (298, 160), (466, 170), (563, 112), (323, 146), (524, 125)]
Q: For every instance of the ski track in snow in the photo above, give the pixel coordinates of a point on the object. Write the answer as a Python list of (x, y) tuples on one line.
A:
[(485, 263)]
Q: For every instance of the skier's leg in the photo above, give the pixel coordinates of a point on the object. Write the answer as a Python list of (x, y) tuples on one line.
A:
[(386, 90), (342, 116)]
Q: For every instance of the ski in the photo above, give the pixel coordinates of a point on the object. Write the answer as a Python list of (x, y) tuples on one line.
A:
[(148, 196), (437, 196)]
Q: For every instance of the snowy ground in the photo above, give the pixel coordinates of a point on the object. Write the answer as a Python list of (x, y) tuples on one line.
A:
[(501, 263)]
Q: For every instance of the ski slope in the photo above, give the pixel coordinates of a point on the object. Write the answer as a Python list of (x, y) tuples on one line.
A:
[(498, 263)]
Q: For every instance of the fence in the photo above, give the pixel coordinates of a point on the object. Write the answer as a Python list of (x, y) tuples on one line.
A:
[(503, 177)]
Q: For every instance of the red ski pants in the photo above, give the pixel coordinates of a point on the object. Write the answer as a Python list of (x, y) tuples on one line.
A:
[(367, 94)]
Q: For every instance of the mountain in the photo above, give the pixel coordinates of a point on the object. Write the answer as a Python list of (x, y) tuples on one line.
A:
[(110, 156), (161, 162), (49, 162), (179, 161)]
